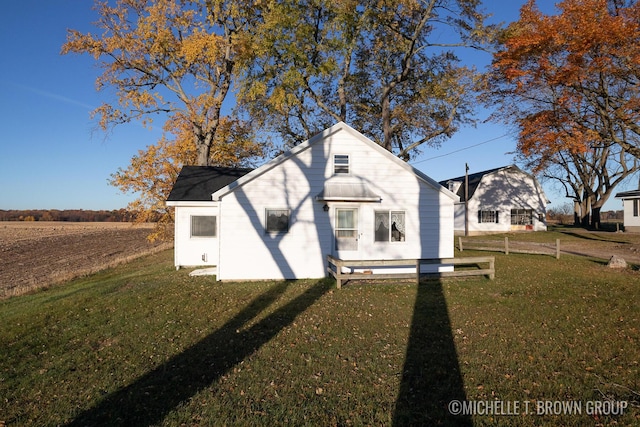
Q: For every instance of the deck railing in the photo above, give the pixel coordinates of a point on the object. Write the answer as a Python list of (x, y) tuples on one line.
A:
[(336, 268)]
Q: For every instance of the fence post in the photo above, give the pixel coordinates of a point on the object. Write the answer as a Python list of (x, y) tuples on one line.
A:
[(492, 267), (417, 272), (506, 245), (460, 243), (557, 248)]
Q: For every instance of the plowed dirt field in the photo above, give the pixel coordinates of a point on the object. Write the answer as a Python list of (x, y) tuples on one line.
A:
[(39, 254)]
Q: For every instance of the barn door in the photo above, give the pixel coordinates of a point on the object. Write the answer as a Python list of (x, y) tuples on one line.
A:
[(346, 232)]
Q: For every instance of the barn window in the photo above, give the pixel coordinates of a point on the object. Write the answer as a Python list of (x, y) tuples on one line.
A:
[(487, 216), (521, 216), (341, 164), (389, 226), (277, 220), (203, 226)]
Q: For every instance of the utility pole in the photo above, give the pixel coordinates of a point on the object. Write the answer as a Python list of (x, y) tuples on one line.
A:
[(466, 199)]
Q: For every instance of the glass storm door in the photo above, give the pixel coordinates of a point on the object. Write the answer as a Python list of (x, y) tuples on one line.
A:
[(346, 230)]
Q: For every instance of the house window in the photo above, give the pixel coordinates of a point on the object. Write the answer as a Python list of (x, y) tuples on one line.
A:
[(341, 164), (636, 207), (487, 216), (521, 216), (390, 226), (203, 226), (277, 220)]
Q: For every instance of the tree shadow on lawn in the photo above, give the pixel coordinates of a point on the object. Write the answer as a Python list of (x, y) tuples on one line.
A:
[(431, 377), (149, 399)]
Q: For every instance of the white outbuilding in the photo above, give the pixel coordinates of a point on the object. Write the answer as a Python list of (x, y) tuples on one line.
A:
[(499, 200)]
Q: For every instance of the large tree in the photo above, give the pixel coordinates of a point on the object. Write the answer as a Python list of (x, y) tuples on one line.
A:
[(387, 67), (153, 171), (169, 58), (570, 83), (174, 60)]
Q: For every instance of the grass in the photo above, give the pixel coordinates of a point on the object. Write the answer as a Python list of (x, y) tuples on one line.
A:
[(143, 344)]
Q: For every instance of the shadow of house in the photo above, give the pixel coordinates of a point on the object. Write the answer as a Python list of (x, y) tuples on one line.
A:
[(151, 397)]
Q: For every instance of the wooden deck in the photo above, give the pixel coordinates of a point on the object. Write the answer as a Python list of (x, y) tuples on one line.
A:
[(336, 266)]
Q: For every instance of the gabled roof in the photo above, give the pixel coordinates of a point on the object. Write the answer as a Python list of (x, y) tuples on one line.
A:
[(338, 127), (633, 194), (197, 183), (474, 180)]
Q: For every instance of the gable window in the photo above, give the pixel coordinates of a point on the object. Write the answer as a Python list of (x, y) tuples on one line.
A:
[(521, 216), (390, 226), (636, 207), (277, 220), (341, 164), (487, 216), (203, 226)]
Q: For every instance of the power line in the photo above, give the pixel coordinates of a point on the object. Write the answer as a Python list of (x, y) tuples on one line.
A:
[(462, 149)]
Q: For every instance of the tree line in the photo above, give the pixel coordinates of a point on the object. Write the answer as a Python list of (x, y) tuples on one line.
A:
[(68, 215)]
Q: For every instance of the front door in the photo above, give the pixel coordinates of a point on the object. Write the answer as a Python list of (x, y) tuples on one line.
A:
[(346, 233)]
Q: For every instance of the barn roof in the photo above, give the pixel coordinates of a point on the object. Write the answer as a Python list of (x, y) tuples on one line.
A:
[(474, 181), (197, 183)]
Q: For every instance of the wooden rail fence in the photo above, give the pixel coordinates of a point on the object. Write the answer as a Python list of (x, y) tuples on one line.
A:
[(510, 247), (336, 268)]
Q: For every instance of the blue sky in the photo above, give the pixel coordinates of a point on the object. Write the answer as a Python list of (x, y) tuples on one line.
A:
[(52, 156)]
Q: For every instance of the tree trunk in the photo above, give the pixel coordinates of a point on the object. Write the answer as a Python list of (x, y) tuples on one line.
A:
[(576, 213), (595, 218), (203, 154)]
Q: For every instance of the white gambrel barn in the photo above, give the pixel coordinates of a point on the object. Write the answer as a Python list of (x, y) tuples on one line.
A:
[(499, 200), (338, 194)]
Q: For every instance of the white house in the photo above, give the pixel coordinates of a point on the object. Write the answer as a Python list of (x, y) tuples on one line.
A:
[(631, 206), (500, 200), (338, 194)]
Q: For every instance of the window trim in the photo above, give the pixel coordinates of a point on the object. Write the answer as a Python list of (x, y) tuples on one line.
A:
[(203, 236), (521, 212), (266, 220), (489, 212), (340, 168), (389, 233)]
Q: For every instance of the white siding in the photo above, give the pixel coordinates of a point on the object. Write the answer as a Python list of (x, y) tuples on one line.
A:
[(631, 223), (194, 251), (502, 191), (247, 252)]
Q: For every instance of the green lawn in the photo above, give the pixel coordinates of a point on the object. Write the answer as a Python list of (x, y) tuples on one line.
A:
[(143, 344)]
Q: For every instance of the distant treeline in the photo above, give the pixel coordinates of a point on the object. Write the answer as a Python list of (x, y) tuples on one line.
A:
[(70, 215)]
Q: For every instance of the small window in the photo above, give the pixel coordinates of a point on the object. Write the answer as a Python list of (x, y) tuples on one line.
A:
[(203, 226), (341, 164), (487, 216), (277, 220), (389, 226), (521, 216), (636, 207)]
